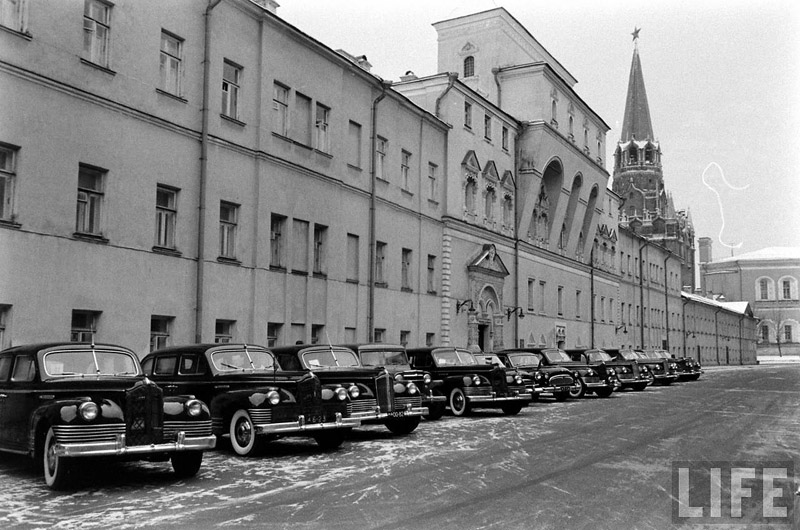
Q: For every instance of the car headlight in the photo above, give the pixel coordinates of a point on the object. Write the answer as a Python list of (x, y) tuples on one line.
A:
[(354, 392), (645, 369), (398, 378), (193, 407), (539, 375), (427, 379), (89, 410), (341, 393), (590, 372), (273, 397), (476, 380), (576, 375), (518, 379), (412, 388), (611, 371)]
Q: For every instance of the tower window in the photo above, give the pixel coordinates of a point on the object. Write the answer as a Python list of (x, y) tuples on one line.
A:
[(469, 66)]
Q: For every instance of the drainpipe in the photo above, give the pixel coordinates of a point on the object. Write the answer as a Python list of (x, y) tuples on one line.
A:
[(641, 292), (201, 207), (372, 200), (716, 331), (666, 296), (591, 294), (517, 157), (685, 333), (741, 339), (451, 80), (496, 74)]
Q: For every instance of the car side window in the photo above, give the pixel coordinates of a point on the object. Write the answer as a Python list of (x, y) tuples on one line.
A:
[(5, 367), (24, 369), (190, 365), (147, 366), (165, 365)]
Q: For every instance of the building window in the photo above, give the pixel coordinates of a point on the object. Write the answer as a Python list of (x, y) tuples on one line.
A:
[(542, 296), (273, 334), (508, 211), (223, 331), (487, 127), (352, 257), (763, 285), (231, 83), (380, 262), (380, 334), (404, 336), (171, 63), (571, 128), (430, 338), (228, 222), (611, 310), (12, 14), (787, 333), (166, 215), (300, 245), (349, 335), (765, 333), (405, 164), (321, 124), (317, 332), (406, 269), (602, 309), (276, 227), (469, 66), (468, 115), (90, 199), (787, 289), (354, 142), (280, 106), (96, 32), (469, 194), (531, 294), (301, 121), (380, 158), (560, 300), (320, 236), (84, 325), (432, 184), (504, 138), (5, 313), (431, 274), (577, 304), (8, 164), (554, 111), (488, 207), (159, 332)]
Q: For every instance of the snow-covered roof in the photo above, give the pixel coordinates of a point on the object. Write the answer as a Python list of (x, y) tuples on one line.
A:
[(742, 308), (770, 253)]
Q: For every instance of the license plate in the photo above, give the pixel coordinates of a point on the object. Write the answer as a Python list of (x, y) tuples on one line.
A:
[(397, 414), (315, 419)]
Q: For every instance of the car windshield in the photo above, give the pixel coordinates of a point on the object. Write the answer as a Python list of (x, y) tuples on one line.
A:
[(629, 355), (598, 356), (90, 362), (651, 355), (241, 359), (329, 358), (523, 359), (557, 356), (385, 358), (662, 354), (493, 359), (454, 358)]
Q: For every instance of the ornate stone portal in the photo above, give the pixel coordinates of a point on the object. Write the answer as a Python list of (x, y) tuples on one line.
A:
[(486, 275)]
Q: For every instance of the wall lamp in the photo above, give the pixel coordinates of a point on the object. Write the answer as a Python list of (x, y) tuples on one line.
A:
[(461, 304), (623, 327), (515, 311)]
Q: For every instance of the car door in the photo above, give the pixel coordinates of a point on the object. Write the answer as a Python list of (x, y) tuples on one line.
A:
[(20, 401), (5, 372)]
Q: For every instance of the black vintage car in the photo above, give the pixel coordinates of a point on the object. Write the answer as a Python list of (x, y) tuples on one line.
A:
[(553, 380), (375, 398), (62, 403), (518, 380), (600, 382), (629, 373), (393, 358), (251, 398), (470, 383), (686, 368), (660, 371)]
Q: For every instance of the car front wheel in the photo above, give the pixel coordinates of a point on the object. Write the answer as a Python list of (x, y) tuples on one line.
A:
[(603, 392), (511, 410), (458, 402), (243, 433), (435, 410), (402, 425), (331, 440), (187, 463), (56, 468), (581, 390)]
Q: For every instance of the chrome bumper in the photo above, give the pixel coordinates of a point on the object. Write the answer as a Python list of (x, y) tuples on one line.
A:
[(119, 448), (435, 399), (301, 425), (495, 399), (377, 416), (553, 389)]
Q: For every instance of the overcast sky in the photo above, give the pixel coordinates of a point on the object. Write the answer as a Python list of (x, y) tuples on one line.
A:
[(722, 80)]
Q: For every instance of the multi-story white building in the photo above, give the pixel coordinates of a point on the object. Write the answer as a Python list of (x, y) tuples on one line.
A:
[(195, 172)]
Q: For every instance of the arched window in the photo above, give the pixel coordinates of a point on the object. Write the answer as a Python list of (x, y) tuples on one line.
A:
[(553, 110), (765, 333), (488, 207), (469, 66), (562, 237), (469, 195), (787, 288), (508, 210), (765, 289)]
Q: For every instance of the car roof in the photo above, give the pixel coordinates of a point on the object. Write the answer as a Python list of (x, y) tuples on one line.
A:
[(40, 346)]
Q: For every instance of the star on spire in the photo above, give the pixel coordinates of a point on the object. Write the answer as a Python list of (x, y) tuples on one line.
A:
[(636, 32)]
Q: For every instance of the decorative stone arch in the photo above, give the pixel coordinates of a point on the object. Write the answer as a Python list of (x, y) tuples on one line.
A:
[(470, 169), (792, 288), (486, 275), (760, 284), (794, 327)]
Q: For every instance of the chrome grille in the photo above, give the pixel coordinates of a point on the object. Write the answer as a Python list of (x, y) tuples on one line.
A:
[(260, 415), (561, 380), (361, 405), (144, 406), (384, 386), (309, 392), (402, 403), (88, 433), (190, 428)]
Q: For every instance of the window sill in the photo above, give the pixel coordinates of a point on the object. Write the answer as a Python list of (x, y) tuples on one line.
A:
[(280, 136), (277, 268), (98, 66), (355, 168), (172, 96), (382, 285), (432, 292), (228, 261), (433, 202), (321, 275), (407, 289), (323, 153), (381, 179), (350, 280), (299, 273), (167, 251), (232, 120), (406, 192), (23, 34), (10, 223), (91, 238)]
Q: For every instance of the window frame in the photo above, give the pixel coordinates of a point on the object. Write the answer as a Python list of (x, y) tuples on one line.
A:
[(280, 106), (231, 90), (91, 24), (165, 233), (228, 229), (171, 86), (322, 127), (8, 180), (92, 201)]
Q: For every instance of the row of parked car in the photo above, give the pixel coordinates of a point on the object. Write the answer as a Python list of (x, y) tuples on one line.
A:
[(63, 402)]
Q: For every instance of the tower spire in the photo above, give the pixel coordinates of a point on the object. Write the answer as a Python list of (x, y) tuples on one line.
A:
[(636, 124)]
